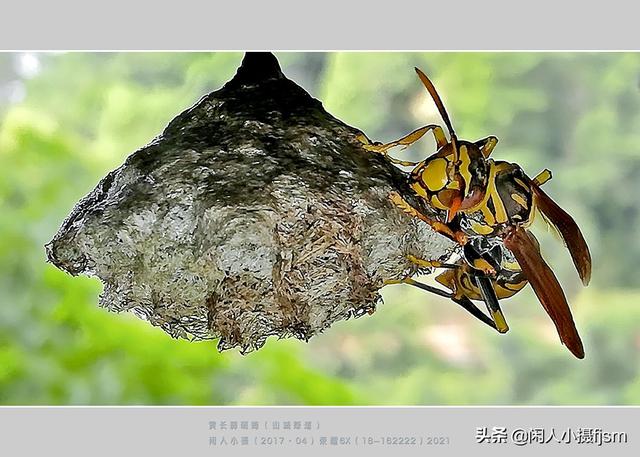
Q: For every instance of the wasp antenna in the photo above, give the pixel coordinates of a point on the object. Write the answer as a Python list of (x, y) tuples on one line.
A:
[(436, 98), (454, 146)]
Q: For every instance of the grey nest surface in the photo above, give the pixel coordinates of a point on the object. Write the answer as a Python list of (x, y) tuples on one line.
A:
[(255, 213)]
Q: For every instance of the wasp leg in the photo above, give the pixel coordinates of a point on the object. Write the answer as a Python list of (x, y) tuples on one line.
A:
[(491, 300), (406, 141), (463, 301), (421, 263), (438, 226), (384, 148), (486, 145)]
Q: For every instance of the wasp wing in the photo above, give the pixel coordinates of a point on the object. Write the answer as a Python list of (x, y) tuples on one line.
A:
[(568, 230), (546, 287)]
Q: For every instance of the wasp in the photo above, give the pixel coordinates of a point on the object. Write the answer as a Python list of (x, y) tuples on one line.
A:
[(452, 179), (483, 271), (493, 199)]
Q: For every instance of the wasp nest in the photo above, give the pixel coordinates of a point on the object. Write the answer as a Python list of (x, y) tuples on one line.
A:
[(254, 213)]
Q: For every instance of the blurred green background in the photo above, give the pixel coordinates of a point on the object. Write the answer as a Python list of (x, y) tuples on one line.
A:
[(66, 119)]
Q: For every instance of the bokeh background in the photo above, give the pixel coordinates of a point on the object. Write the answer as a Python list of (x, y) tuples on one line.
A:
[(66, 119)]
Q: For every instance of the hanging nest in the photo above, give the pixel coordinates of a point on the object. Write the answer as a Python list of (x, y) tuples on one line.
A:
[(255, 213)]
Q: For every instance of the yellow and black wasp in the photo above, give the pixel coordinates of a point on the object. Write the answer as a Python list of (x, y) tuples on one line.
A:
[(484, 271), (493, 199)]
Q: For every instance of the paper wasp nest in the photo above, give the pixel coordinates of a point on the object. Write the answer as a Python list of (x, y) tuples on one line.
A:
[(254, 213)]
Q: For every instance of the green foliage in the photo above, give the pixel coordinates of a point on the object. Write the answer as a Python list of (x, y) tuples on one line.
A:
[(578, 114)]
